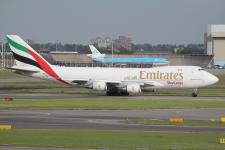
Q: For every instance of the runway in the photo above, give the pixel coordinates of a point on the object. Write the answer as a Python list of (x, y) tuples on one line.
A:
[(106, 119), (43, 96)]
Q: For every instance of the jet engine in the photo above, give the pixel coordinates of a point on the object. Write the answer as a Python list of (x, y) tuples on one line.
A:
[(99, 86), (133, 88)]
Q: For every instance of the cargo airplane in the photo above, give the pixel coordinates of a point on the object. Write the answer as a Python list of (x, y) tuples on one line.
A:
[(115, 81)]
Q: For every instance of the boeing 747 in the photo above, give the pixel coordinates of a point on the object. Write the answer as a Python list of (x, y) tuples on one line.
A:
[(115, 81)]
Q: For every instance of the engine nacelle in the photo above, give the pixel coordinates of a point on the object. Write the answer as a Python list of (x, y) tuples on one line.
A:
[(99, 86), (133, 88)]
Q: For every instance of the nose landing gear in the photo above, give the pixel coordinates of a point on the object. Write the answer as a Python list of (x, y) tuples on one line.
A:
[(195, 93)]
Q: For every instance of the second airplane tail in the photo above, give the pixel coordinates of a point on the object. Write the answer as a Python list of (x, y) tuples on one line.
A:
[(94, 50), (95, 53)]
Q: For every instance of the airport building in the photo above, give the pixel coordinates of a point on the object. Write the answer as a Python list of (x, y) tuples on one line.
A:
[(124, 42), (106, 42), (102, 42), (215, 43)]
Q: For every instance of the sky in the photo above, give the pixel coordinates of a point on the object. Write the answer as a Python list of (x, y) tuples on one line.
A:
[(79, 21)]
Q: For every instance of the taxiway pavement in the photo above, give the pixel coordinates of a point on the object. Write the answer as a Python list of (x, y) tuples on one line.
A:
[(107, 119), (43, 96)]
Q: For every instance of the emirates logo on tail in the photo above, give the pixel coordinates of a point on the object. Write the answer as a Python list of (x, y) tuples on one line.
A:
[(26, 54)]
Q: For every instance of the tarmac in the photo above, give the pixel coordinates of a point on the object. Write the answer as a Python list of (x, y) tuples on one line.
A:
[(43, 96), (107, 119)]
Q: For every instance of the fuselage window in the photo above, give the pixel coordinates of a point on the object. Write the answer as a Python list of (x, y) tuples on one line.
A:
[(200, 69)]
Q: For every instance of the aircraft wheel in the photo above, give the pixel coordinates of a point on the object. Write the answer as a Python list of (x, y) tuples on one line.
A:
[(124, 93), (108, 93), (127, 94), (194, 94), (111, 93)]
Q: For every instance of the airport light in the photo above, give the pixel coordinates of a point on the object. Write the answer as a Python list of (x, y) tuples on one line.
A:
[(56, 46), (5, 53), (11, 59), (112, 53), (2, 54), (75, 46)]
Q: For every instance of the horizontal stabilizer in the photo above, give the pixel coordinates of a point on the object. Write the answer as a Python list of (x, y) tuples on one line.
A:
[(23, 70)]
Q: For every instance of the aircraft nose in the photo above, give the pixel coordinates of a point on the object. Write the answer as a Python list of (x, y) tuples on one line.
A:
[(211, 79)]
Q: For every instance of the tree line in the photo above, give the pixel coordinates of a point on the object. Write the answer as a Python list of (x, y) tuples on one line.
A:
[(136, 48)]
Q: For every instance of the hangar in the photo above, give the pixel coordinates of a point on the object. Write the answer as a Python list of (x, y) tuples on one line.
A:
[(216, 43)]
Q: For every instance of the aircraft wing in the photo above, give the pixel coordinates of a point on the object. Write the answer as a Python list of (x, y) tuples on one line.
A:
[(152, 84), (122, 84), (144, 83), (116, 83), (80, 82), (89, 82)]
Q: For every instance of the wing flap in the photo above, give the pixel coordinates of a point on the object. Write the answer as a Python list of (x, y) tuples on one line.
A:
[(153, 84), (88, 82)]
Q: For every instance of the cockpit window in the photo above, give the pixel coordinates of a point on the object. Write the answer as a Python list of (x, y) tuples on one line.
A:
[(200, 69)]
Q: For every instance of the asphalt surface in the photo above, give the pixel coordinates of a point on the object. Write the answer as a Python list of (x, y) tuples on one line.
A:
[(16, 95), (43, 96), (106, 119)]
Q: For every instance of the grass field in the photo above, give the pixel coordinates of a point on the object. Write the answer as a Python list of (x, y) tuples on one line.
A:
[(119, 140), (213, 123), (6, 74), (108, 103)]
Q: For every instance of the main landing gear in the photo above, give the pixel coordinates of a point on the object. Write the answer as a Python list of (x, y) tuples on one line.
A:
[(195, 93), (117, 93)]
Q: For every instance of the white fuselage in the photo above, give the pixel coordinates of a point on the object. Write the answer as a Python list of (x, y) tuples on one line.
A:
[(94, 56), (158, 77)]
